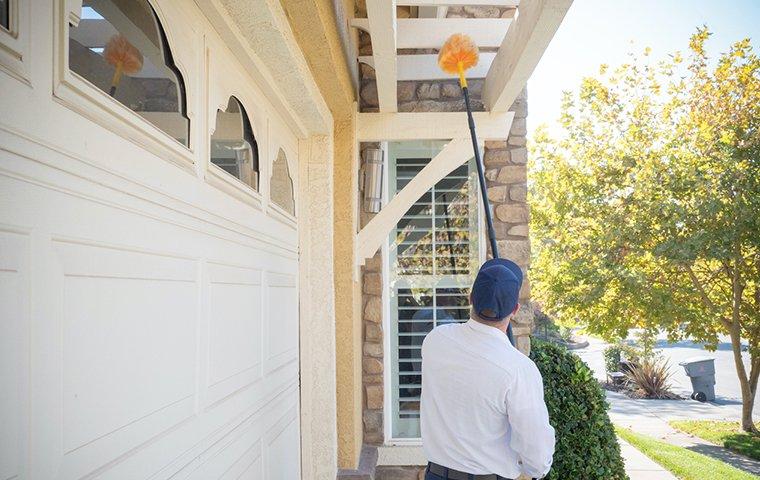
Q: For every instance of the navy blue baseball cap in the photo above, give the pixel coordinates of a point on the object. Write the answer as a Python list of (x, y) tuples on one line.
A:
[(496, 289)]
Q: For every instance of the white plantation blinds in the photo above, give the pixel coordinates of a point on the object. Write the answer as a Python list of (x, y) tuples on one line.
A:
[(433, 238), (434, 253)]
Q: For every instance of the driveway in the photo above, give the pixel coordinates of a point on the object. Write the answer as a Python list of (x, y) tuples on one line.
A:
[(727, 389)]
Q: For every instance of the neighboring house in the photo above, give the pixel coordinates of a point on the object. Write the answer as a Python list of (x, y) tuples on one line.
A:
[(190, 286)]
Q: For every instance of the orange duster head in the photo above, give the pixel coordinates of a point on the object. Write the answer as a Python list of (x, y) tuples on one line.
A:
[(457, 55), (122, 54), (124, 57)]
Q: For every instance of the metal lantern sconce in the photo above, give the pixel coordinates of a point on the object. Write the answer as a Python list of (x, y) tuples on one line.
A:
[(371, 180)]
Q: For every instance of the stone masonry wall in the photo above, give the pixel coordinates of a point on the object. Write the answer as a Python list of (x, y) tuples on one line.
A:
[(506, 173)]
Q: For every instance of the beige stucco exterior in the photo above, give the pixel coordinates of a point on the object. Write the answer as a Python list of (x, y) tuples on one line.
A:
[(321, 29)]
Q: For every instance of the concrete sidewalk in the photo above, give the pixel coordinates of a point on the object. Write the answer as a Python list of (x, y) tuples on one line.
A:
[(650, 417), (640, 467)]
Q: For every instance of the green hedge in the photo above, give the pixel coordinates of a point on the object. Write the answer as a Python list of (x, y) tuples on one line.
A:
[(587, 447)]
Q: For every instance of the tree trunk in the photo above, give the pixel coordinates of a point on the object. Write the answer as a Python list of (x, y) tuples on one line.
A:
[(748, 387), (748, 382)]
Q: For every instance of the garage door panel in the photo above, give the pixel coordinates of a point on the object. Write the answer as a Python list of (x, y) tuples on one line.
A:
[(143, 342), (281, 441), (235, 329), (237, 452), (282, 320), (120, 331), (13, 349), (128, 349)]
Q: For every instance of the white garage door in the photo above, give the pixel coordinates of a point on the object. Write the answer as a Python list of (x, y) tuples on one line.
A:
[(148, 298)]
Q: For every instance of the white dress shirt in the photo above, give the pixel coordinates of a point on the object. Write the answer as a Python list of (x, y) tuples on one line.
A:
[(483, 409)]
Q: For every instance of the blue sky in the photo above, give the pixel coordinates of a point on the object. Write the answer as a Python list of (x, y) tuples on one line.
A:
[(604, 31)]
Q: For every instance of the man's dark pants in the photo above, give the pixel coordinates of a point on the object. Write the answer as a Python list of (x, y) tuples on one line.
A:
[(432, 476)]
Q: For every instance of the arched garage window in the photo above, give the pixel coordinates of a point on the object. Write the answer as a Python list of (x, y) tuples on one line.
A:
[(233, 147), (120, 47), (281, 184)]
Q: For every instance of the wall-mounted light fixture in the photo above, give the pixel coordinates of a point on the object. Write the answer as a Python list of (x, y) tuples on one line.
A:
[(371, 180)]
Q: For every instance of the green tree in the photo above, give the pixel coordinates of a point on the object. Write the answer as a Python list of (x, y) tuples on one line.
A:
[(646, 210)]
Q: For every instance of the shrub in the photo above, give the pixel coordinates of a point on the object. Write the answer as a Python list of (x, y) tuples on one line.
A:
[(618, 352), (566, 334), (543, 325), (587, 447), (651, 378), (612, 357)]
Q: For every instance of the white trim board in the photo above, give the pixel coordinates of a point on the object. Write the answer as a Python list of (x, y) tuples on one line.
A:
[(382, 20), (374, 233), (458, 3), (425, 67), (377, 127), (521, 50), (433, 32)]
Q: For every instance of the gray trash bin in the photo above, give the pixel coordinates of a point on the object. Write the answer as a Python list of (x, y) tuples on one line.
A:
[(701, 372)]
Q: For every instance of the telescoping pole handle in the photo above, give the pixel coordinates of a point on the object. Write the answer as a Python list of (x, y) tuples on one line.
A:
[(483, 190)]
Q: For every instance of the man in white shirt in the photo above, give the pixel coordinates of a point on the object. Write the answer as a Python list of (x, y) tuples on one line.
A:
[(483, 414)]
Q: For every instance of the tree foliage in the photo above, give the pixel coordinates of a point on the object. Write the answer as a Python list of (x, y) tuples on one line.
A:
[(646, 212)]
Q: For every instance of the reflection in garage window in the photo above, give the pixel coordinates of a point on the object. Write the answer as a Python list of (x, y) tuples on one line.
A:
[(233, 147), (282, 184), (120, 47), (5, 14)]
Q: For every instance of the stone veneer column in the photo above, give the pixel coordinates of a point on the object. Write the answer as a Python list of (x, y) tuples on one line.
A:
[(372, 362), (507, 183)]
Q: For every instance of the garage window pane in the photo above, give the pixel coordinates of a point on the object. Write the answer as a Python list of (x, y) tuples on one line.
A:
[(120, 47), (281, 185), (5, 14), (233, 147)]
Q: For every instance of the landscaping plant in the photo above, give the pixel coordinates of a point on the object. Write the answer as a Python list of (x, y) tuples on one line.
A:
[(612, 357), (587, 447), (644, 208), (651, 378)]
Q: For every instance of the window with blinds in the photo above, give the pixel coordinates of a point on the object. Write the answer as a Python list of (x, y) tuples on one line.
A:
[(434, 254)]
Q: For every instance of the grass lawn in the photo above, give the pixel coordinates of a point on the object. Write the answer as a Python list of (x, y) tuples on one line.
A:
[(727, 434), (682, 463)]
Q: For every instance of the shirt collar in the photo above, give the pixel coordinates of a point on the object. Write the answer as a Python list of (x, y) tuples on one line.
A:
[(495, 332)]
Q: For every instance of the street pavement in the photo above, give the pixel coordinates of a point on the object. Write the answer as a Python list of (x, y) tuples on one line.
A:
[(727, 388), (651, 417)]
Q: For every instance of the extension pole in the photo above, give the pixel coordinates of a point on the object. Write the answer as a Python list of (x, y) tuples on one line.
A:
[(481, 177)]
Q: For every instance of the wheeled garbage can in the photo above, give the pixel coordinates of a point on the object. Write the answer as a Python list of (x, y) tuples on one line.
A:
[(701, 372)]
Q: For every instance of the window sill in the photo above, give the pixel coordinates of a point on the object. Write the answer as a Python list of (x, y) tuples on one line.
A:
[(225, 182), (14, 42), (280, 214), (84, 98)]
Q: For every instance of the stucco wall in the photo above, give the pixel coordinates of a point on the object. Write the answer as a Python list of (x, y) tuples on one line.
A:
[(324, 37)]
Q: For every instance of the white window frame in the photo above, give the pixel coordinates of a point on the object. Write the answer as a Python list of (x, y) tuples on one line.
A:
[(224, 81), (78, 94), (388, 367), (14, 41), (279, 139)]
